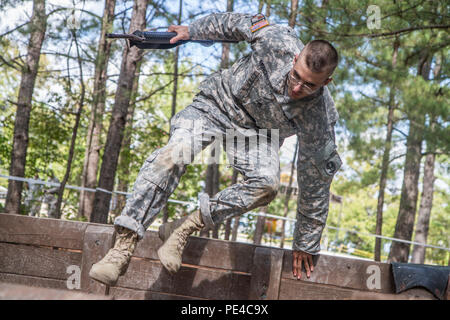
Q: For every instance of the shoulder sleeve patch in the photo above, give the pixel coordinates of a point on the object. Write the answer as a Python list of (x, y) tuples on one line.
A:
[(258, 21)]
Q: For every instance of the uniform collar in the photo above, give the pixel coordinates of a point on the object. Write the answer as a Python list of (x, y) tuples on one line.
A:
[(278, 79)]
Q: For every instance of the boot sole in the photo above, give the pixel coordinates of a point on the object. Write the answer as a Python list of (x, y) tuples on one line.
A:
[(172, 272), (98, 277)]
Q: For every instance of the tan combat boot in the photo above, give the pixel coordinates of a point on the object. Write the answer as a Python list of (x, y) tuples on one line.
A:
[(170, 252), (117, 259), (166, 229)]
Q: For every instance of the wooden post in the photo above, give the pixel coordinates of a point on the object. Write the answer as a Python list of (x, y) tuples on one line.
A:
[(266, 274), (97, 241)]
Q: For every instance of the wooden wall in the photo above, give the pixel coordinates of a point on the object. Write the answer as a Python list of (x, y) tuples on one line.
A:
[(40, 252)]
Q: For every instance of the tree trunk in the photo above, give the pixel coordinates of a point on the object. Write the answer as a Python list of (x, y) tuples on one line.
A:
[(212, 180), (293, 14), (74, 130), (292, 19), (93, 144), (426, 203), (125, 153), (131, 57), (268, 8), (224, 64), (385, 161), (235, 230), (288, 196), (38, 28), (228, 222), (260, 6), (175, 67), (259, 228), (227, 229), (408, 200), (165, 209)]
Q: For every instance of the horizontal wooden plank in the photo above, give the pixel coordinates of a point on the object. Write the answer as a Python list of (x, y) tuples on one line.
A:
[(203, 252), (10, 291), (144, 274), (302, 290), (345, 272), (33, 281), (117, 293), (37, 261), (41, 231)]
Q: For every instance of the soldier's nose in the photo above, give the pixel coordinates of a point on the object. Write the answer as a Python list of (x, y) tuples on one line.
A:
[(297, 89)]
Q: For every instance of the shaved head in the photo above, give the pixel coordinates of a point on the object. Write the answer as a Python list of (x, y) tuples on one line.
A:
[(312, 69), (320, 56)]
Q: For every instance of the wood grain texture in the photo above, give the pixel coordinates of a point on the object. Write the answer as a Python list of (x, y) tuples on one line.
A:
[(203, 252), (98, 239), (20, 292), (117, 293), (266, 273), (207, 283), (344, 272), (41, 231), (38, 252), (37, 261), (33, 281), (302, 290)]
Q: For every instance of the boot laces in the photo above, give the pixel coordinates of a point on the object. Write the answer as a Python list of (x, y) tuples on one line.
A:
[(122, 250)]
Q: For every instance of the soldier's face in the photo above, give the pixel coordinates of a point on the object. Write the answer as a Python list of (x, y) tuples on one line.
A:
[(303, 82)]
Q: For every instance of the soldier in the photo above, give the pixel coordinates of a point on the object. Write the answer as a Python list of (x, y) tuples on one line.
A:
[(276, 91)]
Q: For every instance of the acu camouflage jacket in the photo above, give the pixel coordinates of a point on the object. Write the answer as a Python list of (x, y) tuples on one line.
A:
[(253, 92)]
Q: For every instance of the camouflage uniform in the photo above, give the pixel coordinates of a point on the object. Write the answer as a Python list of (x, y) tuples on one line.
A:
[(251, 94)]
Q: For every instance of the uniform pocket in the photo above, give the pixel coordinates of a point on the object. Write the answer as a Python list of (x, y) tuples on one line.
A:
[(327, 161)]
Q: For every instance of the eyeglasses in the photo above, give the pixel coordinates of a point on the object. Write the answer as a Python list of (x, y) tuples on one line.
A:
[(296, 80)]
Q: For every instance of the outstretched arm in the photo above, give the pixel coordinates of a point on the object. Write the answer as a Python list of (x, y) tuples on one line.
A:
[(317, 163), (221, 26)]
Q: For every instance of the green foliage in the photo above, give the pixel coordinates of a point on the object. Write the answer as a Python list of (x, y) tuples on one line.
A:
[(48, 140)]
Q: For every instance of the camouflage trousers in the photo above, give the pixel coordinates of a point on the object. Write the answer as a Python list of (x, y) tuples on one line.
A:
[(253, 153)]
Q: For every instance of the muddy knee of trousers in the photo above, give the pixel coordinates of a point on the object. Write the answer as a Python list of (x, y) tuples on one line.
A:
[(269, 186), (205, 210)]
